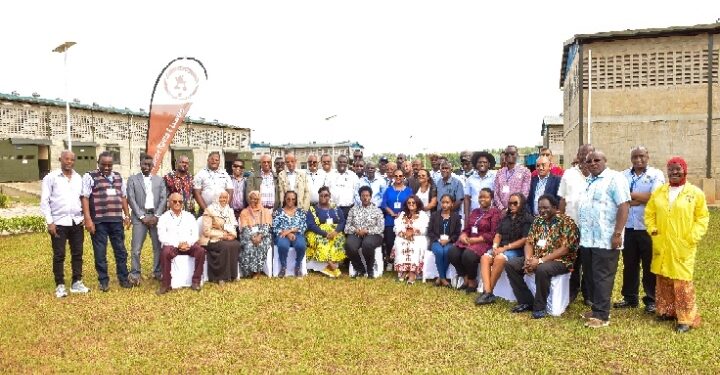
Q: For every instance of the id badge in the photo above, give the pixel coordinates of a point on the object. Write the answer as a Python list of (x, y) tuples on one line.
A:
[(254, 230), (474, 230), (444, 237), (542, 243), (398, 205), (506, 189), (329, 221), (111, 192)]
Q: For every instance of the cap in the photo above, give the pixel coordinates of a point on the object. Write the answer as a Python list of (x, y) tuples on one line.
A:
[(383, 159)]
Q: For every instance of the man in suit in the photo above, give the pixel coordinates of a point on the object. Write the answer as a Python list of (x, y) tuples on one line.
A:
[(147, 198), (266, 182), (290, 179), (543, 183)]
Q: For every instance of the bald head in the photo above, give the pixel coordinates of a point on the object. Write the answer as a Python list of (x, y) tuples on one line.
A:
[(176, 202), (265, 163), (67, 161), (542, 165)]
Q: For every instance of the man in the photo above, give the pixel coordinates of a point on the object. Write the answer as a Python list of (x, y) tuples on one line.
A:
[(148, 199), (637, 246), (279, 165), (316, 178), (572, 185), (410, 179), (543, 183), (210, 181), (293, 180), (512, 178), (342, 184), (105, 210), (466, 168), (359, 168), (376, 183), (390, 169), (266, 182), (602, 214), (382, 166), (357, 155), (484, 177), (450, 185), (326, 163), (550, 250), (416, 166), (178, 232), (181, 181), (435, 164), (555, 170), (60, 205), (239, 181), (400, 160)]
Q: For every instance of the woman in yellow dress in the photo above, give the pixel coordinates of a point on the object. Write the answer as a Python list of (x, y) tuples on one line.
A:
[(676, 216), (325, 236)]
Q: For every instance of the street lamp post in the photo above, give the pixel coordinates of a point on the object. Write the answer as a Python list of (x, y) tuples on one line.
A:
[(63, 49)]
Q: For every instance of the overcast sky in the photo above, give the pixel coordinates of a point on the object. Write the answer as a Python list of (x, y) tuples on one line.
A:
[(453, 74)]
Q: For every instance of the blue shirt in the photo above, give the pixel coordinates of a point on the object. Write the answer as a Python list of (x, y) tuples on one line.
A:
[(598, 207), (646, 182), (539, 191), (452, 187), (390, 198), (378, 186), (475, 183)]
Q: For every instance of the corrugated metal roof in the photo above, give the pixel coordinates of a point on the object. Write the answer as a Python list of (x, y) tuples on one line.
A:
[(712, 28), (309, 145), (98, 108), (550, 120)]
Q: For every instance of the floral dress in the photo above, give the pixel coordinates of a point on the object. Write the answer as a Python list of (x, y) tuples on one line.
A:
[(252, 257), (409, 255), (320, 248)]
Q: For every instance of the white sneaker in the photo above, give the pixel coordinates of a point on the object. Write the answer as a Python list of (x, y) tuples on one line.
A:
[(79, 287), (60, 291)]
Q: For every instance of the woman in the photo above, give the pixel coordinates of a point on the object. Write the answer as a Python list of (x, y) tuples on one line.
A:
[(218, 237), (676, 216), (410, 241), (475, 240), (255, 237), (289, 224), (426, 191), (443, 231), (364, 229), (393, 200), (509, 243), (325, 237)]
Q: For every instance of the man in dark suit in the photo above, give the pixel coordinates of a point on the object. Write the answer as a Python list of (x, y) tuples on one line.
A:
[(266, 182), (147, 198), (543, 183)]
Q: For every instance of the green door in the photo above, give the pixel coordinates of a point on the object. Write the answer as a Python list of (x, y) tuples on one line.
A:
[(85, 158), (18, 162)]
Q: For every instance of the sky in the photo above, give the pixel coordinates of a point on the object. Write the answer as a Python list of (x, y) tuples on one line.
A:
[(398, 76)]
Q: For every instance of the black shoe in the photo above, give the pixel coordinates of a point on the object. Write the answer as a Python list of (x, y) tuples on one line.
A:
[(126, 284), (281, 274), (683, 328), (521, 308), (539, 314), (587, 303), (624, 304), (664, 318), (104, 287), (481, 299), (463, 287), (471, 290), (650, 308)]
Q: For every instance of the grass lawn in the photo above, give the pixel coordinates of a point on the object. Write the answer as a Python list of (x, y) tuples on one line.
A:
[(319, 325)]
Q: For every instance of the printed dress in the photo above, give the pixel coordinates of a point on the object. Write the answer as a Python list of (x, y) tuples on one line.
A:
[(254, 222), (320, 248), (409, 254)]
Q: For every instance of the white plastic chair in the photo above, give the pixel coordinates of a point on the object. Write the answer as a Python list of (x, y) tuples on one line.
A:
[(502, 288), (430, 270), (290, 270), (377, 267), (559, 296)]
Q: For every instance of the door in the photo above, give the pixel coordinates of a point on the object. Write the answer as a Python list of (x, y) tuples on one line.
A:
[(43, 160), (85, 159), (18, 162)]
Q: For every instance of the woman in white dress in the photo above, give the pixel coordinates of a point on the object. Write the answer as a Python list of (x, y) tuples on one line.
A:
[(410, 241)]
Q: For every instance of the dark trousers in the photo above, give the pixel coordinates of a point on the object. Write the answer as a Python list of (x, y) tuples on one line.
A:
[(637, 250), (465, 261), (116, 233), (67, 234), (137, 240), (578, 283), (354, 245), (388, 242), (543, 276), (599, 267), (169, 253)]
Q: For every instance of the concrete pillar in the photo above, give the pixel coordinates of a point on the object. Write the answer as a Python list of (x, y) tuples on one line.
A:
[(708, 187)]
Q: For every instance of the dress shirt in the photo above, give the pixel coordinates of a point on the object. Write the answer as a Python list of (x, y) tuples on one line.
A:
[(646, 182), (292, 180), (212, 183), (316, 180), (452, 187), (174, 229), (475, 183), (149, 196), (539, 191), (378, 187), (341, 188), (60, 198), (598, 207), (238, 198), (509, 181), (572, 185)]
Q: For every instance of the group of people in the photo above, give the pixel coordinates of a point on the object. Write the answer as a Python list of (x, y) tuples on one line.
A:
[(480, 221)]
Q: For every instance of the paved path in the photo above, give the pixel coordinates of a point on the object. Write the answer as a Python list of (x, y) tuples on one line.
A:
[(20, 211)]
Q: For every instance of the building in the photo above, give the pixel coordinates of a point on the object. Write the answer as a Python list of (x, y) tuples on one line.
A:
[(33, 134), (303, 150), (552, 134), (652, 87)]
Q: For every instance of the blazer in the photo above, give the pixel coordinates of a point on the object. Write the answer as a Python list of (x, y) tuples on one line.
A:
[(551, 187), (253, 183), (136, 196), (302, 188), (435, 228)]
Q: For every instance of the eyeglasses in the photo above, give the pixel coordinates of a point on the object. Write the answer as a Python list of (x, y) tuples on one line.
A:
[(312, 162), (513, 203), (398, 176), (411, 203)]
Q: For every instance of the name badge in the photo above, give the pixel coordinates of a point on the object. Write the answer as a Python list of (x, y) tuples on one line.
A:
[(111, 192), (506, 189), (329, 221), (398, 205), (444, 237), (542, 243), (474, 230), (254, 230)]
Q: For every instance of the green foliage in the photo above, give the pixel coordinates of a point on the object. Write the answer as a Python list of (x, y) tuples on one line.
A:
[(4, 201), (23, 224)]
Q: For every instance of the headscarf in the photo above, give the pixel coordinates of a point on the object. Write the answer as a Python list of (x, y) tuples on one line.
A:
[(225, 212), (681, 162), (248, 218), (255, 194)]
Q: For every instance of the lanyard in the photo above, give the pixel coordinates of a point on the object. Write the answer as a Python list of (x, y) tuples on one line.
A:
[(482, 215), (635, 179), (446, 222), (507, 176)]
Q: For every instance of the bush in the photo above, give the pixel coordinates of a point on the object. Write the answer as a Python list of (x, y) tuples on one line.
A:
[(22, 224), (4, 201)]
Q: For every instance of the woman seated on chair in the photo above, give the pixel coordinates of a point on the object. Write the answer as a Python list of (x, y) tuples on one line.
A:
[(255, 236), (509, 243), (475, 240), (289, 226), (443, 231), (325, 236), (410, 241), (219, 232), (364, 228)]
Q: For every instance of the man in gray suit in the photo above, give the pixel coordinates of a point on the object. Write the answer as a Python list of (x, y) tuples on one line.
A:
[(148, 200)]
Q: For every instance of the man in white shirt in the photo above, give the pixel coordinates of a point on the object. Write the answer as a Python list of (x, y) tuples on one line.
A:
[(178, 233), (316, 178), (375, 182), (484, 177), (342, 184), (210, 181), (60, 205)]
